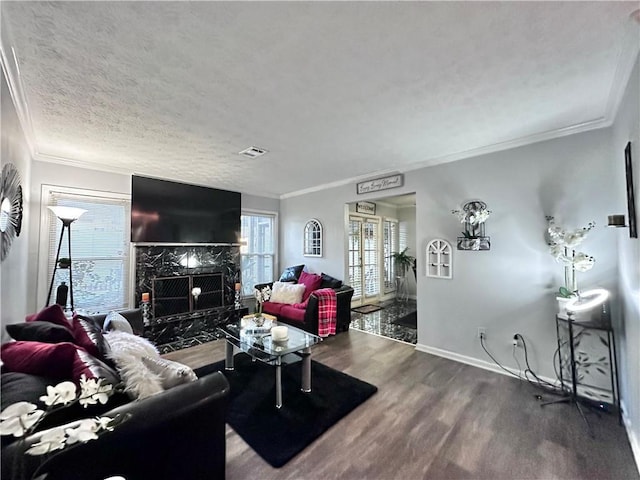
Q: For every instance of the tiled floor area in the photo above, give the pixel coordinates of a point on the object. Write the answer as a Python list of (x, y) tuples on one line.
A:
[(379, 323)]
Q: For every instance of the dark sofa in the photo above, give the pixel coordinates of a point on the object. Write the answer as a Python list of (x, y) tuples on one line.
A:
[(307, 319), (179, 433)]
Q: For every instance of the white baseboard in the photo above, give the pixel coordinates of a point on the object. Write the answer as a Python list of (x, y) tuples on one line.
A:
[(474, 362), (633, 438)]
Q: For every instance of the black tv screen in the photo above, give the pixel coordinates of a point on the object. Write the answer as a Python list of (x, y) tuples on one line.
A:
[(172, 212)]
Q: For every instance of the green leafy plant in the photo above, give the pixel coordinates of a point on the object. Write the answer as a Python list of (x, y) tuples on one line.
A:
[(64, 262), (564, 292), (403, 261)]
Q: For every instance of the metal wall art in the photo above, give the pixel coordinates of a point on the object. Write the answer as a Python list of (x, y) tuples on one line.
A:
[(10, 208), (473, 215)]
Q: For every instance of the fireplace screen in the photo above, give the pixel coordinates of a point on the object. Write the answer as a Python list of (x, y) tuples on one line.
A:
[(175, 295)]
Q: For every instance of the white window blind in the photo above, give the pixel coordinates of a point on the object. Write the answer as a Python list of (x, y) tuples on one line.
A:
[(258, 250), (390, 241), (99, 250), (371, 258)]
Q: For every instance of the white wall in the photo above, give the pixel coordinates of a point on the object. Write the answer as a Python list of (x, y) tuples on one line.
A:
[(253, 202), (627, 128), (407, 219), (15, 296), (509, 289)]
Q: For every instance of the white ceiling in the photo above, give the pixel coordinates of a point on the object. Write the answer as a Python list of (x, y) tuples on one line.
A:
[(335, 91)]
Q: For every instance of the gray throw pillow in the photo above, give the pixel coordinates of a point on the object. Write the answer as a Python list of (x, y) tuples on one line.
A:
[(171, 373), (115, 321)]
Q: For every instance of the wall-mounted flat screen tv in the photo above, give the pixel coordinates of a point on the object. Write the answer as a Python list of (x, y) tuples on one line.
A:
[(172, 212)]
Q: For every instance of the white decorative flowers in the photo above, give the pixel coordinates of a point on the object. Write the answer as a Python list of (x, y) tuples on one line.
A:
[(562, 244), (22, 418), (262, 295)]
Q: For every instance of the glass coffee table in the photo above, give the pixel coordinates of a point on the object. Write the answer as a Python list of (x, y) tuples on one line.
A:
[(246, 336)]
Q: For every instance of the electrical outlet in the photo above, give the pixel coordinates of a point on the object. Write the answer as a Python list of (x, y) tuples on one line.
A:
[(482, 332), (516, 341)]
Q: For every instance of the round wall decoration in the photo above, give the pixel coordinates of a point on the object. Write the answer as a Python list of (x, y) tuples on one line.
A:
[(10, 208)]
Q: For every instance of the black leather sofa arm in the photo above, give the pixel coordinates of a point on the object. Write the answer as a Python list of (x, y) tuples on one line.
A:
[(179, 433)]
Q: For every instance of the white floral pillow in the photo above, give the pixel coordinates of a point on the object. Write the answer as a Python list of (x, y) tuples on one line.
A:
[(288, 293)]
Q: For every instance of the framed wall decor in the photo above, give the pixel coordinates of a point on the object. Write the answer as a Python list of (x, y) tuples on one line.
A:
[(631, 201), (313, 238), (366, 207), (377, 184)]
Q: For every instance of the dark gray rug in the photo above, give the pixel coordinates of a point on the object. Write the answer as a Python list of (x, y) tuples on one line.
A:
[(409, 320), (278, 435)]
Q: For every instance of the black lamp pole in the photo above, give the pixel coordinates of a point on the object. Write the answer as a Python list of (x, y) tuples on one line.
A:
[(71, 214)]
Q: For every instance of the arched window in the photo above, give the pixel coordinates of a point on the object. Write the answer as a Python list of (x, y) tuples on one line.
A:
[(313, 239)]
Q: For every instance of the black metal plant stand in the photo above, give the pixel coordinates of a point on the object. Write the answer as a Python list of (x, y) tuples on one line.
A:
[(572, 395)]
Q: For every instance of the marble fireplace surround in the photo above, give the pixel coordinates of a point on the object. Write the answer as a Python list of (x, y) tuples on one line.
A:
[(181, 330)]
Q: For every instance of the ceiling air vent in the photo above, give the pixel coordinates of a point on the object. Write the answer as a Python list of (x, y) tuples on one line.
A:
[(253, 152)]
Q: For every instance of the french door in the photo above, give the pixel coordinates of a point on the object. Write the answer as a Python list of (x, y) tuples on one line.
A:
[(364, 258)]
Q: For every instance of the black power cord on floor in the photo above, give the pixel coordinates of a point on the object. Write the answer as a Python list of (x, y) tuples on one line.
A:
[(538, 383)]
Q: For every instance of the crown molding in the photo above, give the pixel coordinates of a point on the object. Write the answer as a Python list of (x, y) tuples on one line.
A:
[(11, 70), (474, 152), (338, 183), (42, 157)]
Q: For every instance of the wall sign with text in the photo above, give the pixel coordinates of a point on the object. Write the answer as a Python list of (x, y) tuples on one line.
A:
[(383, 183), (366, 207)]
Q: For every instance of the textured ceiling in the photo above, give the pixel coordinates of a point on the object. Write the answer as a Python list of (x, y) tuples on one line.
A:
[(332, 90)]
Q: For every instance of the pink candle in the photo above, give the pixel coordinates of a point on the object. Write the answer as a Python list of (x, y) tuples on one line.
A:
[(237, 287), (145, 297)]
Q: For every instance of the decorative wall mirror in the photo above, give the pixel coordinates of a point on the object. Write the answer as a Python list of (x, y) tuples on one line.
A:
[(10, 208), (439, 259), (313, 238)]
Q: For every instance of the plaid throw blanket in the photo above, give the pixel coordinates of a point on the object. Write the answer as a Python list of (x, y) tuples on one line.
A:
[(327, 311)]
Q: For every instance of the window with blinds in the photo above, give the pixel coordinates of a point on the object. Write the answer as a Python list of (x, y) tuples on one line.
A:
[(258, 250), (390, 245), (371, 258), (99, 249)]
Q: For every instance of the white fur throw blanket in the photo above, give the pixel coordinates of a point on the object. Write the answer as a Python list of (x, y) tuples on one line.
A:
[(127, 351)]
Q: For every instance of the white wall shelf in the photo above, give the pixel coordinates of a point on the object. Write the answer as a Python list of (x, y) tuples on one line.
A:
[(439, 259)]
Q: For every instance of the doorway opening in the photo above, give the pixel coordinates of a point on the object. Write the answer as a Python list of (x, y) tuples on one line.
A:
[(372, 237)]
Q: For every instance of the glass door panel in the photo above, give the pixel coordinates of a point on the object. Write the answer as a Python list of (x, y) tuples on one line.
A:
[(364, 258)]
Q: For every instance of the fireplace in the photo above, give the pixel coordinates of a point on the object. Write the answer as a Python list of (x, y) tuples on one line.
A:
[(174, 295), (169, 275)]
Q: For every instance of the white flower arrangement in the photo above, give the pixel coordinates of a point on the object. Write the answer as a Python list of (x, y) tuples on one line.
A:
[(562, 244), (22, 418), (473, 214), (262, 295)]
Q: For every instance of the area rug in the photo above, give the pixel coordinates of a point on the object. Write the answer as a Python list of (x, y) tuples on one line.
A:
[(278, 435), (409, 320), (367, 309)]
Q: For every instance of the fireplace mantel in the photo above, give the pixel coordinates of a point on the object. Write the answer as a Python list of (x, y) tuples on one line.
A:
[(187, 264)]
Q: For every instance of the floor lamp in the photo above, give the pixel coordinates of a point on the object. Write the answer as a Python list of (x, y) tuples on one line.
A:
[(67, 215)]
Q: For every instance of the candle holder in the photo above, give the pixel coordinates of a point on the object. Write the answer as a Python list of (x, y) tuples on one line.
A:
[(238, 302), (195, 291), (145, 313)]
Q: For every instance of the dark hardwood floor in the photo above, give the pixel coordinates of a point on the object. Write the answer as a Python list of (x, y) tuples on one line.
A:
[(433, 418)]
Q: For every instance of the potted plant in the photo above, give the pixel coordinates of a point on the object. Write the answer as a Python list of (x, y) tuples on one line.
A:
[(562, 246), (64, 263), (403, 261)]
